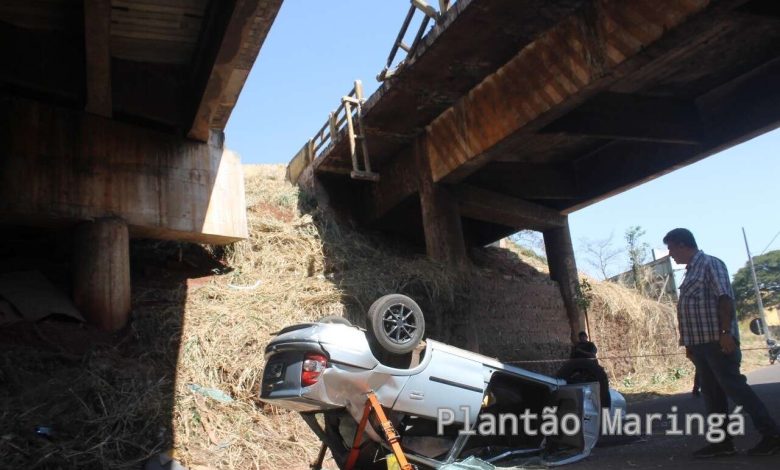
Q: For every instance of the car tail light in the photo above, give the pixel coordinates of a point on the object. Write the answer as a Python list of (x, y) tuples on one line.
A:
[(313, 365)]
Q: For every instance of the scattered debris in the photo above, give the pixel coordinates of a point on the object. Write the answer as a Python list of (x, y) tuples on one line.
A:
[(44, 431), (33, 297), (196, 283), (212, 393), (252, 287)]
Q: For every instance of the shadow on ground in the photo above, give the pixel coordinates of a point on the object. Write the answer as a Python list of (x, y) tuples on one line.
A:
[(75, 397)]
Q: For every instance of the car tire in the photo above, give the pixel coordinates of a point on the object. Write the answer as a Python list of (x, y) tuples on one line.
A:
[(335, 319), (396, 324), (577, 371)]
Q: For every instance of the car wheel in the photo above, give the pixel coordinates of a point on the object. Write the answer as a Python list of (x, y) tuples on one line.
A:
[(335, 319), (577, 371), (396, 323)]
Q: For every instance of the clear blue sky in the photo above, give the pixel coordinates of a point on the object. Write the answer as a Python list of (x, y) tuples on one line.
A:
[(316, 49), (310, 59), (713, 198)]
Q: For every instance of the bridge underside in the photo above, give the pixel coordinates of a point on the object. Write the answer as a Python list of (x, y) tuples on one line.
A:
[(514, 113), (557, 105), (112, 115)]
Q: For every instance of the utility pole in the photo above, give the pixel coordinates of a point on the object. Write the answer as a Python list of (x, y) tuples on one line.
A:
[(755, 285)]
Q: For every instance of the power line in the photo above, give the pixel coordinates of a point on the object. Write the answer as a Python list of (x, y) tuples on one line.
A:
[(770, 243)]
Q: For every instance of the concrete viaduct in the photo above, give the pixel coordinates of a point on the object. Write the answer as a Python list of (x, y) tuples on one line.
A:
[(511, 114), (112, 115)]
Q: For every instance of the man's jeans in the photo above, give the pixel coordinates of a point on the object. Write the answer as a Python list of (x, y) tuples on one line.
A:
[(720, 380)]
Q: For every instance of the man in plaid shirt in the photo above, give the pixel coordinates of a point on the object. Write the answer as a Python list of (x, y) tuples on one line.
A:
[(708, 330)]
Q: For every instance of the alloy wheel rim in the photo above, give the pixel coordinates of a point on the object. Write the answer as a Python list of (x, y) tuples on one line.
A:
[(399, 324)]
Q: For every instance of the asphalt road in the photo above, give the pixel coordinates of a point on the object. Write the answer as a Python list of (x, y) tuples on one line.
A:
[(674, 452)]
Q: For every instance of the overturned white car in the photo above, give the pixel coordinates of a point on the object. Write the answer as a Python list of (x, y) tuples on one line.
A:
[(438, 397)]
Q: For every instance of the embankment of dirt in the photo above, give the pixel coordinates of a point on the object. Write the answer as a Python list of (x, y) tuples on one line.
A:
[(202, 317)]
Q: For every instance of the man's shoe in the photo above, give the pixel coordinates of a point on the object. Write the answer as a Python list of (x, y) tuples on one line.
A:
[(768, 445), (722, 449)]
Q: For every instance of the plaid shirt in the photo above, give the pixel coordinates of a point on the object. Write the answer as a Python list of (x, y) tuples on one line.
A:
[(706, 279)]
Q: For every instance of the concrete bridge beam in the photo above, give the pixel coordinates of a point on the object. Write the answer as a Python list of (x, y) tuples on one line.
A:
[(110, 181), (59, 167), (580, 57), (481, 204)]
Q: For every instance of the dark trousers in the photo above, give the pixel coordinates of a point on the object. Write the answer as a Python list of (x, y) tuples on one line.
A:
[(720, 380)]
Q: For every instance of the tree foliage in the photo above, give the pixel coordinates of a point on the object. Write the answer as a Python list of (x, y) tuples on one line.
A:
[(637, 253), (531, 244), (768, 275), (601, 254)]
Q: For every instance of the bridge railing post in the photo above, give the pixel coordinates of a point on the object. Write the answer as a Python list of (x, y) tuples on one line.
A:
[(430, 14)]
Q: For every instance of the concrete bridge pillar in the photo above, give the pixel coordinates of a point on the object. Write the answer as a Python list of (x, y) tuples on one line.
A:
[(563, 270), (101, 272)]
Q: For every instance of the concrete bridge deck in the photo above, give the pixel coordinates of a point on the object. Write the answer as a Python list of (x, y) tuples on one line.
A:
[(519, 111), (512, 114)]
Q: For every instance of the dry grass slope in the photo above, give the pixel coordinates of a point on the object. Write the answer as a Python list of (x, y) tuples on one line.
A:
[(116, 403), (307, 267), (637, 339)]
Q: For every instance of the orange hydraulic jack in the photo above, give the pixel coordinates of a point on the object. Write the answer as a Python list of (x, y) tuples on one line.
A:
[(372, 404)]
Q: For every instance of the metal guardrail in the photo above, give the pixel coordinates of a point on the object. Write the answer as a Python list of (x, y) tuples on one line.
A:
[(346, 118)]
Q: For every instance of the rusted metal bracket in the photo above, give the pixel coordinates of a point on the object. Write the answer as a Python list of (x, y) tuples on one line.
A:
[(347, 117), (357, 136)]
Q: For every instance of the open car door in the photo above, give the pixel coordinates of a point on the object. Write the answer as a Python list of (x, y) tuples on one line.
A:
[(581, 400)]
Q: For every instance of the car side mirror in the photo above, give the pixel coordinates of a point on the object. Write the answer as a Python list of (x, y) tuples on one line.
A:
[(757, 326)]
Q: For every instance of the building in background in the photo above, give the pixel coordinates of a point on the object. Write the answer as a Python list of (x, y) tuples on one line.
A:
[(660, 277)]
